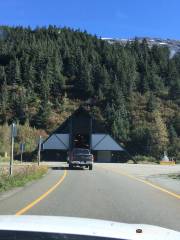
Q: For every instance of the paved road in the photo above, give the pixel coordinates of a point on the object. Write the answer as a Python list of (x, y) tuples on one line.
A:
[(104, 193)]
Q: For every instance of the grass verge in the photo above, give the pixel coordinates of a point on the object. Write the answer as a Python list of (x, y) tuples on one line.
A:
[(21, 176)]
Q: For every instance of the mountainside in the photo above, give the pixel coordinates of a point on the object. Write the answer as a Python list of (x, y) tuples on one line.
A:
[(173, 45), (46, 73)]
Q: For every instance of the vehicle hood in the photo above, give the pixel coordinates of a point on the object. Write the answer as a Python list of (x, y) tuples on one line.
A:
[(82, 226)]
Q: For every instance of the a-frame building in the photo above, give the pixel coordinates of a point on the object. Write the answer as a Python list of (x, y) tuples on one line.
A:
[(81, 129)]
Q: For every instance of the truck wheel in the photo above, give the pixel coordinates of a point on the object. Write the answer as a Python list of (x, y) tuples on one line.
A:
[(90, 167)]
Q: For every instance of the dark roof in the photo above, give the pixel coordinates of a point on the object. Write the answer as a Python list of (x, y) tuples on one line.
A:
[(97, 125)]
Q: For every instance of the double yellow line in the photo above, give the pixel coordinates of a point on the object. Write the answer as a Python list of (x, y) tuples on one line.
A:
[(50, 190), (143, 181)]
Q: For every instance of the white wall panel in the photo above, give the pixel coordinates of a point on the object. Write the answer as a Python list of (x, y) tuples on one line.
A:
[(57, 142)]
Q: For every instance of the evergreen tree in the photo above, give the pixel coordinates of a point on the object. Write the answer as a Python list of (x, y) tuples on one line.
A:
[(120, 126), (175, 89), (4, 101), (151, 103), (176, 123), (159, 134), (141, 140), (17, 74), (42, 117), (172, 134)]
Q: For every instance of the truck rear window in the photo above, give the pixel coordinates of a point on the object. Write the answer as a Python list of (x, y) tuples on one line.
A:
[(81, 151)]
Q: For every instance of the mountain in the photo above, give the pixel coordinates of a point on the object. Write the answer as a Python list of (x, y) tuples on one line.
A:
[(134, 89), (173, 45)]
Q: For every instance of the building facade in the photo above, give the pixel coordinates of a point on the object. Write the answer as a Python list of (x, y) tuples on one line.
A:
[(83, 131)]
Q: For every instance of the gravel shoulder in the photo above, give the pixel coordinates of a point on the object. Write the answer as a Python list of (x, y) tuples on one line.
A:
[(157, 174), (167, 182)]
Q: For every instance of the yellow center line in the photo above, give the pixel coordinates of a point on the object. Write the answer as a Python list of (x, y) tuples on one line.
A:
[(50, 190), (144, 181)]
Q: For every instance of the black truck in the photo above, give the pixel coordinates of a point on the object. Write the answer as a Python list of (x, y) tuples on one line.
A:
[(80, 157)]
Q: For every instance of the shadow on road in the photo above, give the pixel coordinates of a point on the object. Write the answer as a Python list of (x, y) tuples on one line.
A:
[(67, 168)]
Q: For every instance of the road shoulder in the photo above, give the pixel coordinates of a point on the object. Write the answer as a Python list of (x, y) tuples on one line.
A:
[(166, 182), (11, 202)]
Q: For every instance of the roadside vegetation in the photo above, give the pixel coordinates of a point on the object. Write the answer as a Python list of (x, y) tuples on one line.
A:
[(46, 73), (174, 176), (145, 159), (25, 134), (21, 176)]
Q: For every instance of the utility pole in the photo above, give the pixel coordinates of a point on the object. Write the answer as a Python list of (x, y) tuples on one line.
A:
[(39, 150), (13, 134)]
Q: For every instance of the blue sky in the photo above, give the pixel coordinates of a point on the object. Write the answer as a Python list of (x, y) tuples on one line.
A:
[(105, 18)]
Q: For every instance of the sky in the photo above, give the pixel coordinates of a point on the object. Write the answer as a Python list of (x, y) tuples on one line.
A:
[(104, 18)]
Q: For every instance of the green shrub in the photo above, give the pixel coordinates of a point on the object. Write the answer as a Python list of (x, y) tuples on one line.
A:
[(25, 134), (145, 159)]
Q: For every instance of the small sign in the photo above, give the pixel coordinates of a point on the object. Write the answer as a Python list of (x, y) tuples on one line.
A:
[(13, 130), (40, 143), (22, 147)]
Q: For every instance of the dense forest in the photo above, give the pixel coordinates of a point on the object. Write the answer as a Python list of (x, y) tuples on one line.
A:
[(46, 73)]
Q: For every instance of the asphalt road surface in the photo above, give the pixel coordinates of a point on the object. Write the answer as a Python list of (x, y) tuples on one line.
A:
[(104, 193)]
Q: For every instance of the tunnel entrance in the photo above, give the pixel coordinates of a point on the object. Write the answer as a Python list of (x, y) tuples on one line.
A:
[(81, 131), (81, 141)]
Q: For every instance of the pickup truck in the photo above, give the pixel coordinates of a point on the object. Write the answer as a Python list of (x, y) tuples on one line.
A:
[(80, 157)]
